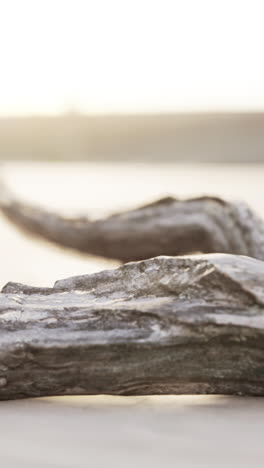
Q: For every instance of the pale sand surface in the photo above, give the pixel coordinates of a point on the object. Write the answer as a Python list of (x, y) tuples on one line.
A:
[(103, 431), (149, 432)]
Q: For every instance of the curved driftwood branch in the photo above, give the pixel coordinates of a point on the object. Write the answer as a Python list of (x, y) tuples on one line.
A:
[(159, 326), (166, 227)]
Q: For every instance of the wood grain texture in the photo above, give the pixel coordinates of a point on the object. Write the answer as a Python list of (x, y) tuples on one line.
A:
[(159, 326), (165, 227)]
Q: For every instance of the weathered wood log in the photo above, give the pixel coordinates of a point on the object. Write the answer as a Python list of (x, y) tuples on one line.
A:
[(160, 326), (166, 227)]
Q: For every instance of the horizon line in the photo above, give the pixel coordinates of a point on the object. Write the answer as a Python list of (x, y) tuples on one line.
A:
[(77, 113)]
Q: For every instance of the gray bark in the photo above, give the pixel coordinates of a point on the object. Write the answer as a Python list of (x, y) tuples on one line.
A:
[(165, 325), (166, 227)]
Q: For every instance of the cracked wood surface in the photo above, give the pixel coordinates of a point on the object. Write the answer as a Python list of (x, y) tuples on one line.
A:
[(159, 326), (166, 227)]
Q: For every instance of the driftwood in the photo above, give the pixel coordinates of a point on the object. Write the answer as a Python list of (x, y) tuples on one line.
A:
[(166, 227), (165, 325)]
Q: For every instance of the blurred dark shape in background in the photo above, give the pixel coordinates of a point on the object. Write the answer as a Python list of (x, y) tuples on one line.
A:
[(192, 137)]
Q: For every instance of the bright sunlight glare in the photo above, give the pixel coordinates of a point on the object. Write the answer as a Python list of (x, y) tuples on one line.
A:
[(130, 55)]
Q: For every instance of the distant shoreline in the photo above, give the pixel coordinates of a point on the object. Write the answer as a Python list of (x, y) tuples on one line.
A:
[(183, 137)]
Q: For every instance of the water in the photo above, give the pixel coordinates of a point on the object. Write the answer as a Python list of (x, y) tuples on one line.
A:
[(100, 189)]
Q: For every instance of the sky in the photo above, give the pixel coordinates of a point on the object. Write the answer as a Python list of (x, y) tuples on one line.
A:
[(105, 56)]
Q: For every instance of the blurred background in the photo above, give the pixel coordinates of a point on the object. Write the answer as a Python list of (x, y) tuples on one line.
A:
[(157, 81), (108, 104)]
